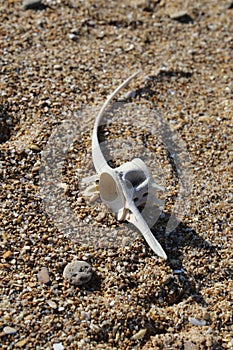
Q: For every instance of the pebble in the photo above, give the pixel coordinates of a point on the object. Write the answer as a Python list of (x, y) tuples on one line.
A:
[(22, 342), (43, 275), (9, 330), (33, 5), (25, 250), (130, 94), (206, 316), (181, 16), (57, 67), (7, 254), (58, 346), (100, 216), (139, 335), (197, 322), (52, 304), (188, 345), (78, 272), (34, 147)]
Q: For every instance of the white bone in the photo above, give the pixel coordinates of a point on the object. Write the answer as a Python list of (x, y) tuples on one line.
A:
[(125, 188), (98, 158)]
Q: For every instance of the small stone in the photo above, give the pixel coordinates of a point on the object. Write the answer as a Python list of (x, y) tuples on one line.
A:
[(33, 5), (22, 342), (139, 335), (25, 250), (197, 322), (9, 330), (73, 36), (181, 16), (58, 346), (100, 216), (34, 147), (78, 272), (43, 275), (57, 67), (206, 316), (63, 186), (7, 254), (52, 304), (130, 94), (188, 345), (35, 169)]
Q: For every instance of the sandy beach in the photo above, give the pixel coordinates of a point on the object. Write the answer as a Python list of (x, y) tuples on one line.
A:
[(59, 62)]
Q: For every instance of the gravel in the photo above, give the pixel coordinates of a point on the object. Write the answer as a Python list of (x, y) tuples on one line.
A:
[(59, 63)]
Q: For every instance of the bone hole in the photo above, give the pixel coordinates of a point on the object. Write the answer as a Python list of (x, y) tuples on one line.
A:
[(136, 177), (107, 187), (145, 194)]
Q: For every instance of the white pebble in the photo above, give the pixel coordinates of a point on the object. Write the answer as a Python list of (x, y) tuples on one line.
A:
[(197, 322), (52, 304), (139, 335), (58, 346), (9, 330)]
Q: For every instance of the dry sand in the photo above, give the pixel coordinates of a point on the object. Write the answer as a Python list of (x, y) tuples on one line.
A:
[(70, 55)]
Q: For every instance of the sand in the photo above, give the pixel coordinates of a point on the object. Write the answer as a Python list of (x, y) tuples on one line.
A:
[(59, 62)]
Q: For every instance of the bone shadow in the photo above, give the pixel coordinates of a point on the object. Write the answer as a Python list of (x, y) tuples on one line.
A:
[(179, 285), (174, 243)]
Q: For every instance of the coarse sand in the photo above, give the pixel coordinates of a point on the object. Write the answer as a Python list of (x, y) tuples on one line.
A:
[(59, 62)]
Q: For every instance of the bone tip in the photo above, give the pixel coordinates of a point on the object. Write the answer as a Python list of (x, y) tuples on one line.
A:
[(161, 253), (164, 256)]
